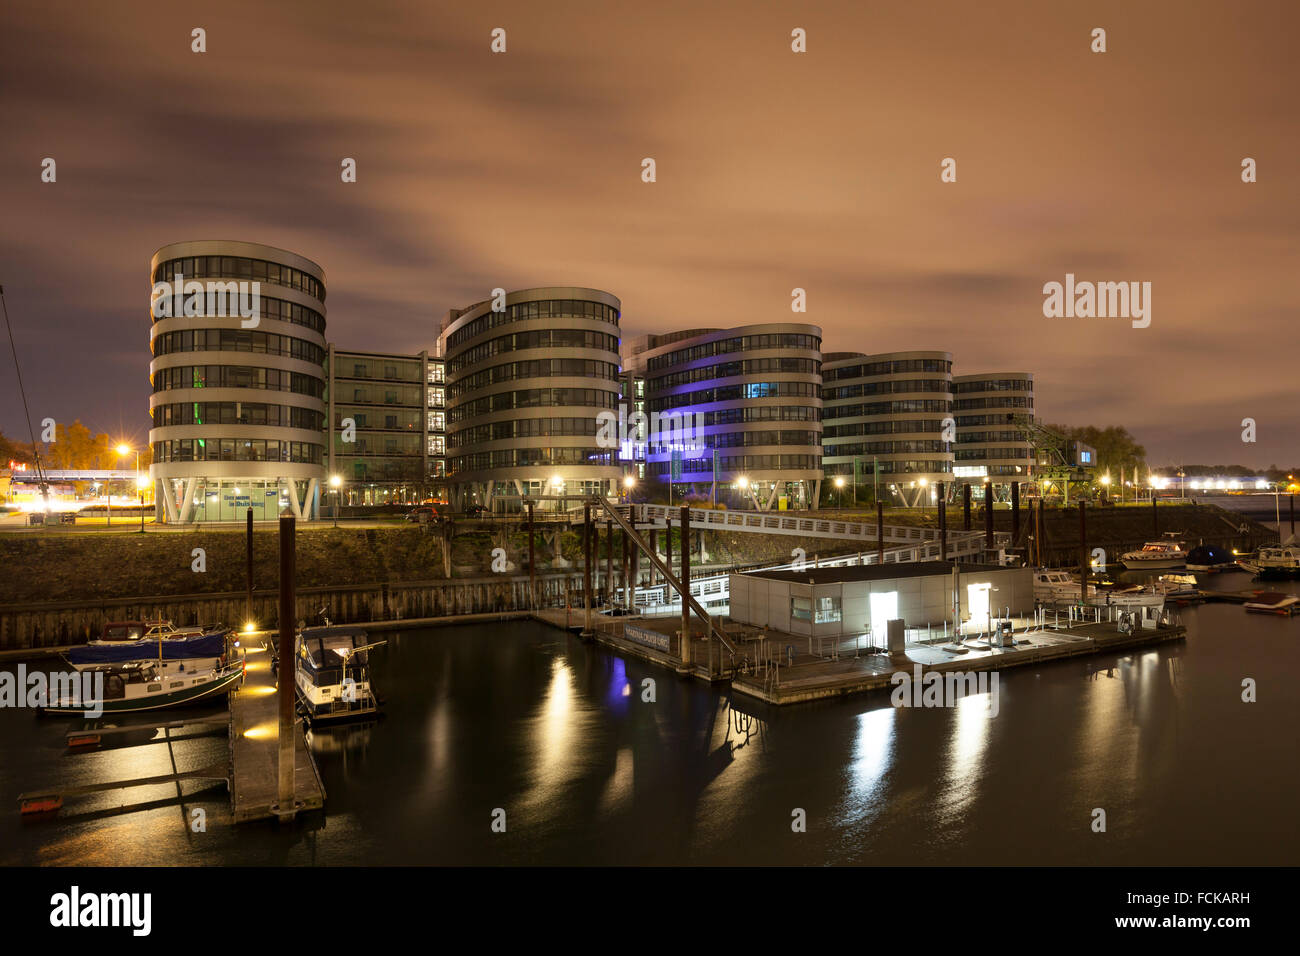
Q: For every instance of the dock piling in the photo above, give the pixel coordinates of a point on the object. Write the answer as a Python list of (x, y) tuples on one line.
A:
[(686, 587), (288, 653)]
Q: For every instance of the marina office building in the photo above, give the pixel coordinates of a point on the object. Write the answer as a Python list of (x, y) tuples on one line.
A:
[(508, 408), (845, 601)]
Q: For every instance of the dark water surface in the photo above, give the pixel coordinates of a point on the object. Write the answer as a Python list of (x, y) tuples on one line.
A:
[(524, 718)]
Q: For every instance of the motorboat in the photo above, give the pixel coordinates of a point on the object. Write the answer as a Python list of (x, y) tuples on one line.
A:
[(159, 641), (1051, 587), (1165, 553), (332, 673), (1210, 558), (1176, 586), (140, 686), (1273, 602), (1276, 562)]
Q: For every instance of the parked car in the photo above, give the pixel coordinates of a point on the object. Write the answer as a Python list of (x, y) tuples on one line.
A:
[(473, 511), (422, 513)]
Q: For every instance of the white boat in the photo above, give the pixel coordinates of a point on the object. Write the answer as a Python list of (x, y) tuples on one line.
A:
[(1272, 602), (332, 673), (1165, 553), (1177, 586), (139, 686), (1279, 561), (1051, 587)]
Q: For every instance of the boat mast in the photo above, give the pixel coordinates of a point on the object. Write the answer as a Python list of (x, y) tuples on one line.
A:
[(36, 455)]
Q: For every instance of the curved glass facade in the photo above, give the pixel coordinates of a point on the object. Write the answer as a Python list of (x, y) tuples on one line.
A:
[(752, 399), (525, 389), (238, 387)]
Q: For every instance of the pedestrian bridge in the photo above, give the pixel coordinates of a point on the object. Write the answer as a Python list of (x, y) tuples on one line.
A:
[(766, 522)]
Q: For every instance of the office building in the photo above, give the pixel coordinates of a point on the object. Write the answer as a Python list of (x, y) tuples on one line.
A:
[(735, 414), (238, 343)]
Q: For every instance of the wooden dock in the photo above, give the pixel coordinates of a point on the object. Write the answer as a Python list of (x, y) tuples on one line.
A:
[(254, 738)]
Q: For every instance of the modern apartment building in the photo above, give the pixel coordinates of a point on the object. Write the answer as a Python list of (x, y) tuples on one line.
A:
[(528, 375), (991, 451), (386, 419), (888, 423), (238, 343), (738, 410)]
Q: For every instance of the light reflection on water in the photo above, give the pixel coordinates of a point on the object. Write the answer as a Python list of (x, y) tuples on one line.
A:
[(527, 719)]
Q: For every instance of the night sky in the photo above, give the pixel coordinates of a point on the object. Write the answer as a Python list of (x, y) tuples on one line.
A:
[(776, 170)]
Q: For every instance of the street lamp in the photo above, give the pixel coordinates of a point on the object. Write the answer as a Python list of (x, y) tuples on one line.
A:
[(839, 488), (122, 450), (141, 482), (629, 482), (335, 481)]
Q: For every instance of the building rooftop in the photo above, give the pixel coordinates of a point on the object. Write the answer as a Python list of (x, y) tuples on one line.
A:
[(870, 572)]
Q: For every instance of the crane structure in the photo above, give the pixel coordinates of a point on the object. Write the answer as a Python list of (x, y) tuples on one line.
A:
[(1057, 459)]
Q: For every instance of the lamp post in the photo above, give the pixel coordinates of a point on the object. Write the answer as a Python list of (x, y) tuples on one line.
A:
[(122, 451), (839, 490), (629, 482), (335, 481), (140, 482)]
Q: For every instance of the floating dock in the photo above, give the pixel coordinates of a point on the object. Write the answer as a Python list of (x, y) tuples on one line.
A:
[(254, 739), (813, 670)]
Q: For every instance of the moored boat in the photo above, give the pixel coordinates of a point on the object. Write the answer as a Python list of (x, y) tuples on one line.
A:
[(1210, 558), (1156, 555), (139, 686), (1276, 562), (332, 674), (1273, 602), (1054, 586), (161, 641)]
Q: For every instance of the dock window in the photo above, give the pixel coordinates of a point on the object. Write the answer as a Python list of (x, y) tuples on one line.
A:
[(828, 610)]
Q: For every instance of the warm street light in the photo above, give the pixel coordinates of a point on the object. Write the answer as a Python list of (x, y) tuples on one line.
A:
[(742, 482), (629, 482)]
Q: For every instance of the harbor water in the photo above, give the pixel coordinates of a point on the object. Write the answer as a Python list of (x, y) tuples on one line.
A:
[(551, 739)]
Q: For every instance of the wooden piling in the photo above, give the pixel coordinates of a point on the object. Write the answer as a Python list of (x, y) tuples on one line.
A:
[(288, 654)]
